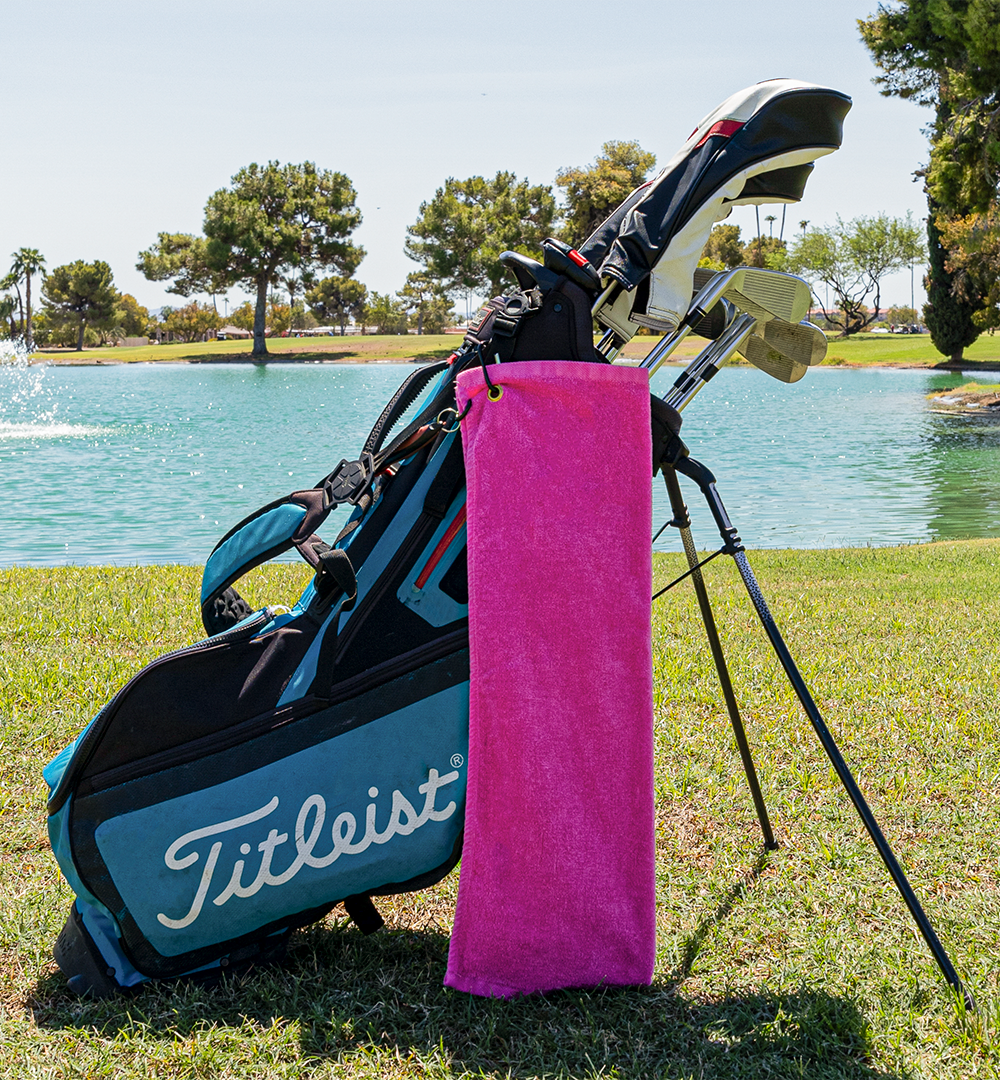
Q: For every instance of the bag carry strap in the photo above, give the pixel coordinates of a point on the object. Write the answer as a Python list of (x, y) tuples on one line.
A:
[(287, 523), (292, 522)]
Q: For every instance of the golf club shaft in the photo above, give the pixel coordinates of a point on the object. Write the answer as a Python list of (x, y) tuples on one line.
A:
[(707, 363)]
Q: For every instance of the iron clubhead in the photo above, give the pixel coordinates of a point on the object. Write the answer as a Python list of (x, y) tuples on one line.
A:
[(802, 342)]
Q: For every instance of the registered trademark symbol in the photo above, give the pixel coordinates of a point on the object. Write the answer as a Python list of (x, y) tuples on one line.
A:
[(457, 761)]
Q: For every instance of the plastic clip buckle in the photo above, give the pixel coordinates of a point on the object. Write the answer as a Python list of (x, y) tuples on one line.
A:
[(350, 481)]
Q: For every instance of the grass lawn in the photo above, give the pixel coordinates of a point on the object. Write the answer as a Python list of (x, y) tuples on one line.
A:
[(356, 348), (864, 349), (798, 963)]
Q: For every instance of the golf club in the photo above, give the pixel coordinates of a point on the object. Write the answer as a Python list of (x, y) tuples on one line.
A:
[(764, 294), (707, 364)]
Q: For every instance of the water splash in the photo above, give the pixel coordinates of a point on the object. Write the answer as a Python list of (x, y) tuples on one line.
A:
[(28, 404), (25, 399)]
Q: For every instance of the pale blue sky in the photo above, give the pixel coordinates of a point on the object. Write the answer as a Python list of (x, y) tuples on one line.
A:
[(121, 118)]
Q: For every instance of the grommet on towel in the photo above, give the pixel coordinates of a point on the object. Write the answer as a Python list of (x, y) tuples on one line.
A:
[(495, 393)]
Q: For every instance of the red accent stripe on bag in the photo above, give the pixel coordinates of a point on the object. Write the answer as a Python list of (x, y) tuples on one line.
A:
[(445, 542), (722, 127)]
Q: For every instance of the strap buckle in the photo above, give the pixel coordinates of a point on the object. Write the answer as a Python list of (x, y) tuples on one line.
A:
[(350, 481)]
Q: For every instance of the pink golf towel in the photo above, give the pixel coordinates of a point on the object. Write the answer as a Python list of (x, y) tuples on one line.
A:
[(557, 879)]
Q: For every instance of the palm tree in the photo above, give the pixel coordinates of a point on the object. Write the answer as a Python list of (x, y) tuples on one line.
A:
[(8, 305), (802, 225), (771, 219), (27, 261)]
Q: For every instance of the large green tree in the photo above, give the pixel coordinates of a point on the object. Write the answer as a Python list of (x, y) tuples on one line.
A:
[(272, 220), (852, 258), (27, 263), (946, 54), (952, 305), (81, 294), (594, 191), (337, 300), (275, 218), (462, 231)]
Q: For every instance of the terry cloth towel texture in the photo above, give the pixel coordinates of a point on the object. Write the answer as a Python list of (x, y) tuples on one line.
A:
[(557, 885)]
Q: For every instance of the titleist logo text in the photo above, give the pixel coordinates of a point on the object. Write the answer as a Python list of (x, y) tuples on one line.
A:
[(309, 831)]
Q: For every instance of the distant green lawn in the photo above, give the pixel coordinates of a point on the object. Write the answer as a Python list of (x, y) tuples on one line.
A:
[(798, 963), (865, 349), (355, 348)]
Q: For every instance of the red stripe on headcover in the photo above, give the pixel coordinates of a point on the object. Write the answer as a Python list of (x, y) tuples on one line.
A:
[(723, 127)]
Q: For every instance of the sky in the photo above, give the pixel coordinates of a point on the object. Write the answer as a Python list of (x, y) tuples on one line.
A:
[(121, 118)]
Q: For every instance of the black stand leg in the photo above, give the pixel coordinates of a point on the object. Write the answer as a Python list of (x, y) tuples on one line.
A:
[(733, 546), (683, 523)]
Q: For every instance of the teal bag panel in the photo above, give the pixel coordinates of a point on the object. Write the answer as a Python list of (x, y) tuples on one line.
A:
[(370, 807)]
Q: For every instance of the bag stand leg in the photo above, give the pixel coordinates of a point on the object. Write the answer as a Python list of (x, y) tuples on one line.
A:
[(733, 546), (682, 521)]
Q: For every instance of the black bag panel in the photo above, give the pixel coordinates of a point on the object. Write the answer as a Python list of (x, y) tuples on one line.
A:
[(412, 680), (187, 695), (562, 329)]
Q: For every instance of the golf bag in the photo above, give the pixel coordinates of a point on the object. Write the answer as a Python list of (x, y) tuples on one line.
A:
[(243, 786)]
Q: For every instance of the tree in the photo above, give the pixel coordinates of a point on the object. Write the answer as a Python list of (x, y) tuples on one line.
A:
[(27, 262), (8, 305), (950, 312), (765, 251), (81, 294), (462, 231), (131, 316), (272, 220), (946, 54), (901, 315), (191, 321), (242, 317), (723, 249), (13, 303), (336, 300), (593, 192), (386, 314), (852, 258), (182, 259), (424, 296)]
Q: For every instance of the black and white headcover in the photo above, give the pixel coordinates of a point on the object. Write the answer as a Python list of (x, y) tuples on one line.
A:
[(758, 147)]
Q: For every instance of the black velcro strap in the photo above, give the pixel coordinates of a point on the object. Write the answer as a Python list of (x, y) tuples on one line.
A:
[(336, 571), (364, 913)]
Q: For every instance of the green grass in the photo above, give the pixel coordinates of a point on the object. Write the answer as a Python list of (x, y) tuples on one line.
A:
[(912, 350), (798, 963), (350, 348), (864, 349)]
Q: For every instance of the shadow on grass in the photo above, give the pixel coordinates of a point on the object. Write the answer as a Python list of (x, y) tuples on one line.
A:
[(350, 995)]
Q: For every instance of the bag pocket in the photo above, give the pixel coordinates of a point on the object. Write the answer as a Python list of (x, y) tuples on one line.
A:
[(203, 847)]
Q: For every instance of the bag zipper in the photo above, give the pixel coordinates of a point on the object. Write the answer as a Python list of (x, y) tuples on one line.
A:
[(438, 553), (243, 732), (93, 735)]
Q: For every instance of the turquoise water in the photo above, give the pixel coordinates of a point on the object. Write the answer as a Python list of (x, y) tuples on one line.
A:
[(145, 463)]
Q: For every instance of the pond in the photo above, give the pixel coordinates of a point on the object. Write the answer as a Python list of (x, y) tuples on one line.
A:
[(152, 463)]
